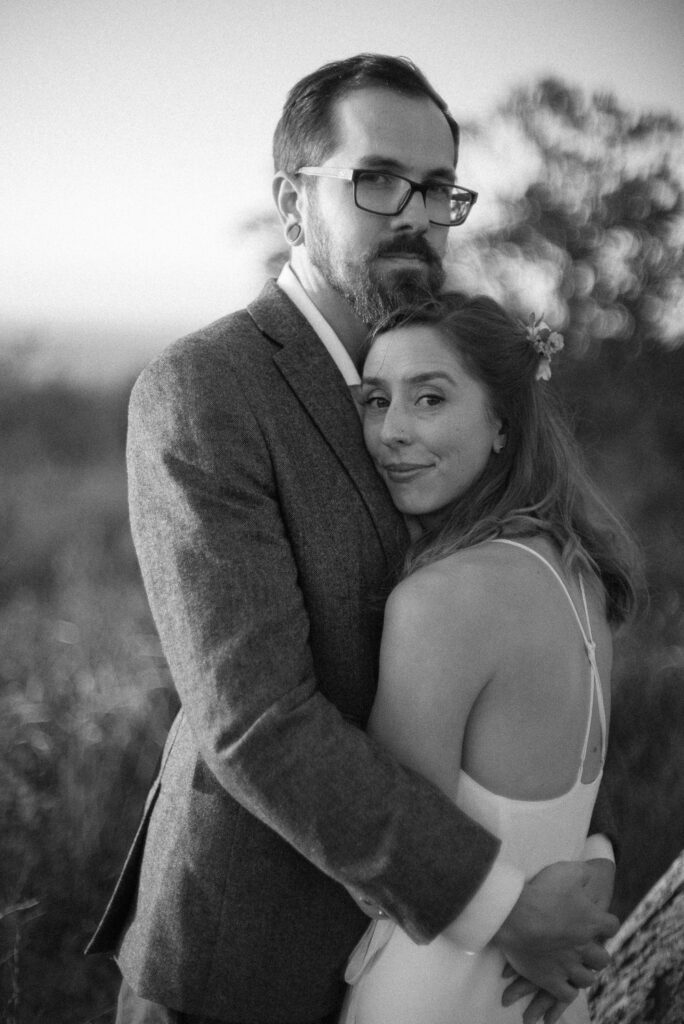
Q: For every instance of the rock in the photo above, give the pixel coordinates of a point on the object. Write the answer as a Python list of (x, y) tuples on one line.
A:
[(645, 982)]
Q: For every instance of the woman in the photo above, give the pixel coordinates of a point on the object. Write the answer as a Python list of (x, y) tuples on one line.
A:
[(496, 653)]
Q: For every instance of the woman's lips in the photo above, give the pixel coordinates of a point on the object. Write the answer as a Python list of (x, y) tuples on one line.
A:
[(402, 472)]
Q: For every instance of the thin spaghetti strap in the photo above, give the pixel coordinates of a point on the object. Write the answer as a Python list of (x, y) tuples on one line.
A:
[(596, 678), (589, 644), (586, 606), (524, 547)]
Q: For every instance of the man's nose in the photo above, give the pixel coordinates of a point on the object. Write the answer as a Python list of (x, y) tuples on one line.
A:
[(414, 215)]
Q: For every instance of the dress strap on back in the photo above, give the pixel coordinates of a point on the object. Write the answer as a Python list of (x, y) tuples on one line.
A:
[(587, 636)]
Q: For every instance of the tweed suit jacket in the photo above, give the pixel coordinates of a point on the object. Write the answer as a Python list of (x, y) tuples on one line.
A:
[(266, 542)]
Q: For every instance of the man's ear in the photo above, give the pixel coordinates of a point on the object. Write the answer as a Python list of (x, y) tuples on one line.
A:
[(286, 194)]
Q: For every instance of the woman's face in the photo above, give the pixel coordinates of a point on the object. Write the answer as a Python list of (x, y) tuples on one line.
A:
[(427, 421)]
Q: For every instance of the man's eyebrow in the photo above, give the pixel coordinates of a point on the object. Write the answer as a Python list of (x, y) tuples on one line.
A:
[(416, 378), (387, 163)]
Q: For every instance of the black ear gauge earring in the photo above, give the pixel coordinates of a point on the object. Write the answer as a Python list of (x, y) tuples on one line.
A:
[(293, 238)]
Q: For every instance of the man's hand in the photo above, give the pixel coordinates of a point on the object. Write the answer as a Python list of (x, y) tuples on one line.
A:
[(542, 1007), (600, 881), (553, 935)]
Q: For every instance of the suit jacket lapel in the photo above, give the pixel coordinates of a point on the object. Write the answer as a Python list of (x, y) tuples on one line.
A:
[(312, 375)]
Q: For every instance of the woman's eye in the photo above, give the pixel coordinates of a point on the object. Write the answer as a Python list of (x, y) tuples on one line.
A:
[(430, 400), (375, 401)]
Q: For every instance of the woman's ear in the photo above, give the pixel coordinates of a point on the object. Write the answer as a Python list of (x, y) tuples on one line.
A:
[(499, 442)]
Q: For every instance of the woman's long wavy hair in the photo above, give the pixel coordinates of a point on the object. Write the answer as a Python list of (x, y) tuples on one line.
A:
[(537, 484)]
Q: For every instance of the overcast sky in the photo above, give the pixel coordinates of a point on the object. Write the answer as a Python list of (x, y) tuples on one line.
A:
[(136, 133)]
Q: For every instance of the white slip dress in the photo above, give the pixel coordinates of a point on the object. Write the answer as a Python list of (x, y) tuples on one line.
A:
[(392, 980)]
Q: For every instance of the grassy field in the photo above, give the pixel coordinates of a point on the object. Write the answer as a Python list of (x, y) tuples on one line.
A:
[(85, 697), (84, 706)]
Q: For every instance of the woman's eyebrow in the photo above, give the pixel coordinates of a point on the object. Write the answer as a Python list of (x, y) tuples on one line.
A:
[(416, 378)]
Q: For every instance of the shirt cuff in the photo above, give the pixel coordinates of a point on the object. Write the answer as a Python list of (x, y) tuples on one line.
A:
[(488, 909), (598, 847)]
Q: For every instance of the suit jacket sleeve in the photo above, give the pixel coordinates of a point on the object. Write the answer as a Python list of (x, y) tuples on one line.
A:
[(223, 587)]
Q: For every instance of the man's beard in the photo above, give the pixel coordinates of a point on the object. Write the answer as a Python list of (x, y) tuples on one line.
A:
[(371, 293)]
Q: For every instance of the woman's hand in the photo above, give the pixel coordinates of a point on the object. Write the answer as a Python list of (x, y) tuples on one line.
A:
[(542, 1007)]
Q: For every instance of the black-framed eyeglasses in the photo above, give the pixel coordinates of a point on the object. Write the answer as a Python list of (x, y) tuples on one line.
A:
[(387, 194)]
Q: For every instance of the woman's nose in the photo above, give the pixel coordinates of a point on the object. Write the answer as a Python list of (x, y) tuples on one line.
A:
[(395, 426)]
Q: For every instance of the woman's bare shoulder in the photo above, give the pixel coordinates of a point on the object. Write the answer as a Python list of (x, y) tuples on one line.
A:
[(463, 588), (466, 574)]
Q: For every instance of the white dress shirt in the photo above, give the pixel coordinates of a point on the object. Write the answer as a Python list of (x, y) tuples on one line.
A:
[(289, 283)]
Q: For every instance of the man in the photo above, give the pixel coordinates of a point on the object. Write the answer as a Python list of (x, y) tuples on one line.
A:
[(266, 543)]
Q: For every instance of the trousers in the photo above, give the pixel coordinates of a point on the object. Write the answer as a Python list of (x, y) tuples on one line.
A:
[(133, 1009)]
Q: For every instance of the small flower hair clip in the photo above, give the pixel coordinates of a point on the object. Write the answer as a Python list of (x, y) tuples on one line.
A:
[(545, 341)]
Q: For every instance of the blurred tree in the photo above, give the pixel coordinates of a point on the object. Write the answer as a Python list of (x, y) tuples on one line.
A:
[(603, 221), (267, 230)]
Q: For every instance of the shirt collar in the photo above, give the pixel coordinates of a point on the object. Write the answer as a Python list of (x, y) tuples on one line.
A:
[(289, 283)]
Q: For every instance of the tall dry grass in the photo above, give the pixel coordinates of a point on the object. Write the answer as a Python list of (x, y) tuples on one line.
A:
[(85, 704)]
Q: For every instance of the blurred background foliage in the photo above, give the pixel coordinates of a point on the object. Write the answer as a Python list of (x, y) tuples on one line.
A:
[(595, 241)]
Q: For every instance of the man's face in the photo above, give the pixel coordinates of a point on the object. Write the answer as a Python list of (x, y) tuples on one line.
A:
[(377, 262)]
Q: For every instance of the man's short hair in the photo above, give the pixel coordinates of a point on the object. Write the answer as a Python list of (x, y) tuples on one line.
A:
[(306, 131)]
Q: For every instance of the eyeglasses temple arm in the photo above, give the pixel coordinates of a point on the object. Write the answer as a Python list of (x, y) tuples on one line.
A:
[(327, 172)]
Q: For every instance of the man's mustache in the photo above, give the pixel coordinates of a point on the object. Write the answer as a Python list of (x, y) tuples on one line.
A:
[(413, 245)]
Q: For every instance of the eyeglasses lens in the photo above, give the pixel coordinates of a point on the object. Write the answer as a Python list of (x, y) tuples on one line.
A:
[(386, 194)]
